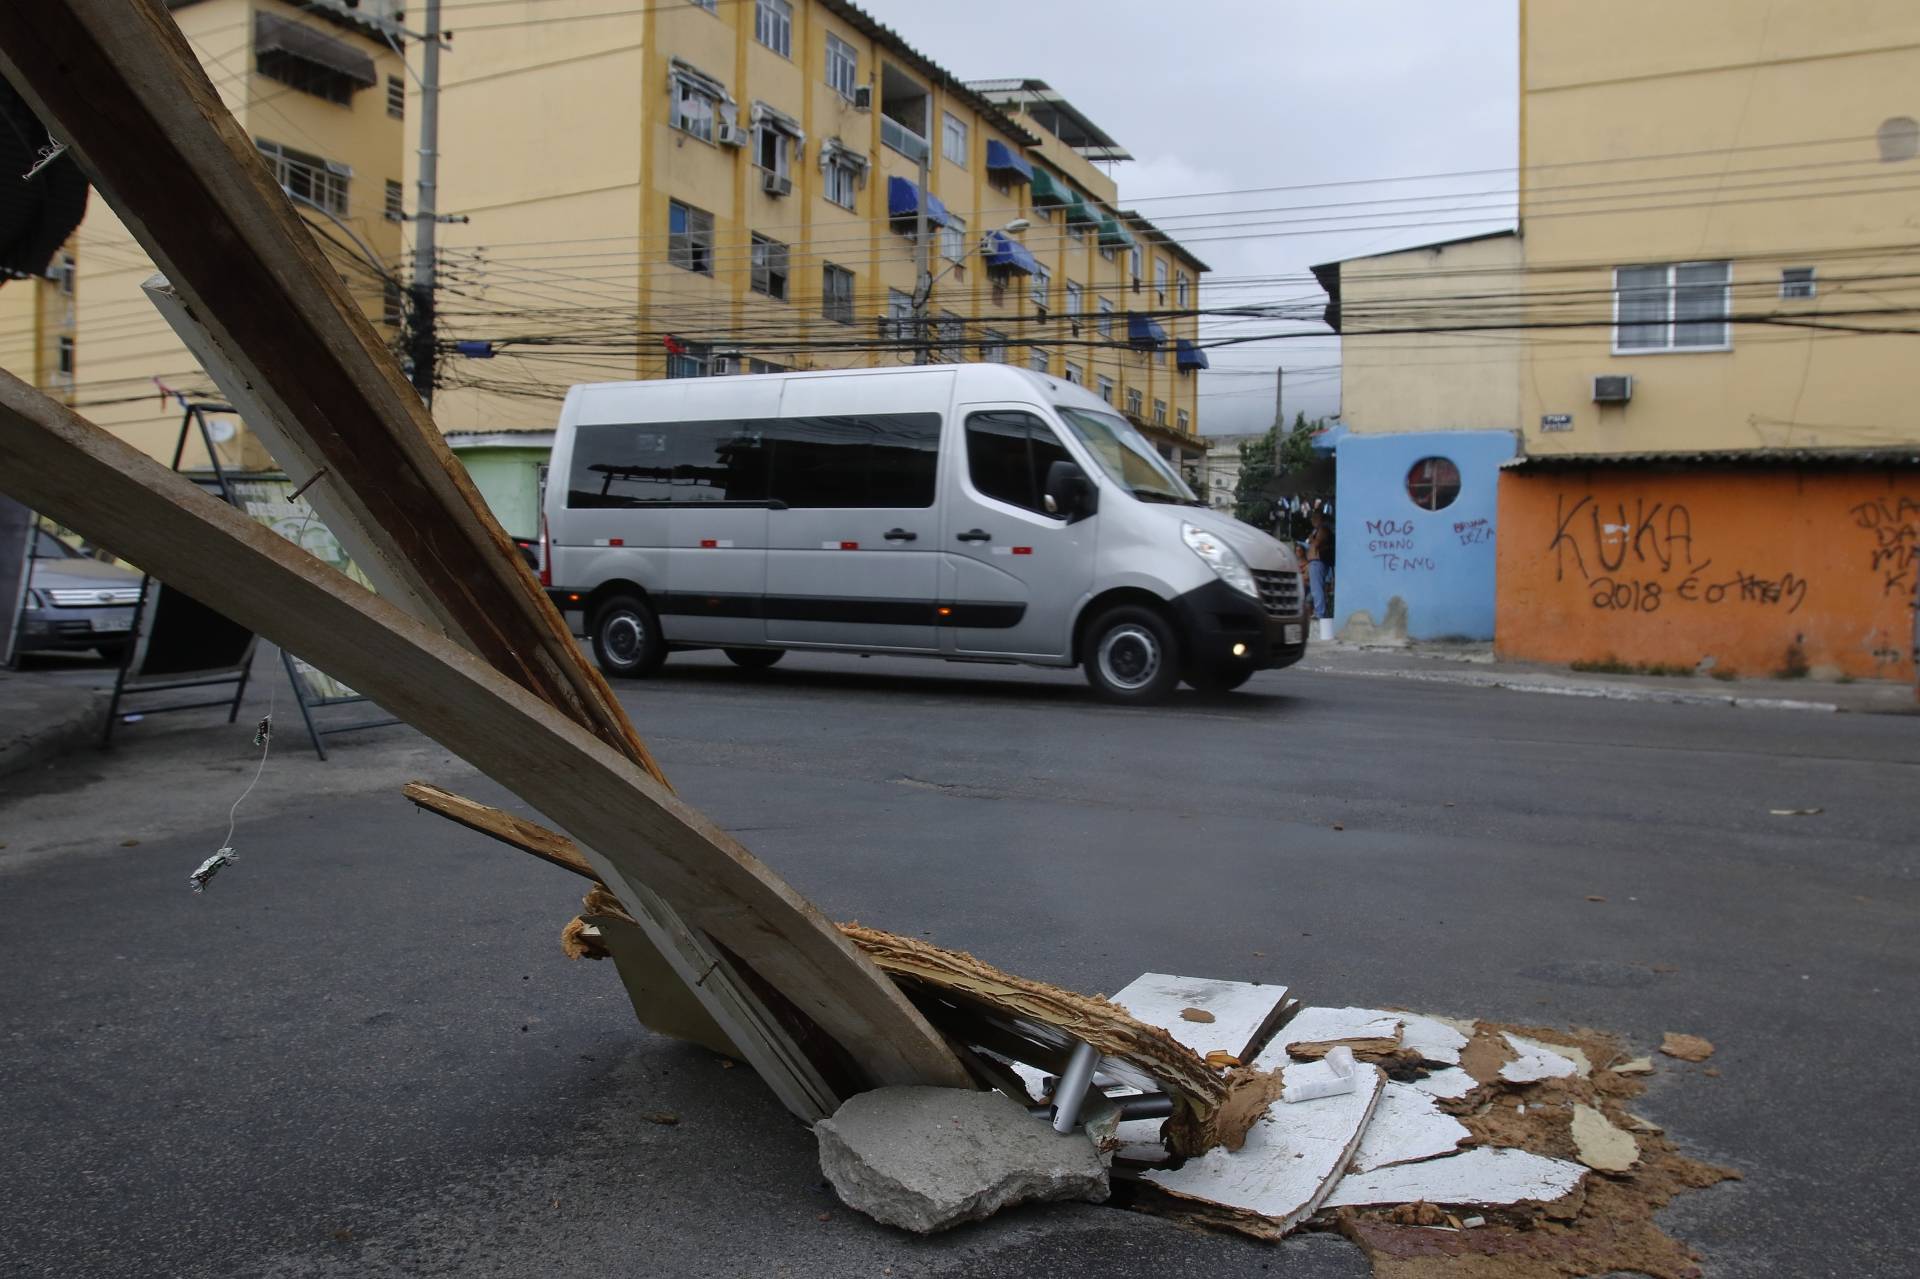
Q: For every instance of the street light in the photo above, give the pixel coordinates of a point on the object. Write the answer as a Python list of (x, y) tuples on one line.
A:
[(923, 295)]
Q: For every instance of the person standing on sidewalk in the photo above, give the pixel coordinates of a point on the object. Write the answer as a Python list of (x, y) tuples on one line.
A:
[(1319, 561)]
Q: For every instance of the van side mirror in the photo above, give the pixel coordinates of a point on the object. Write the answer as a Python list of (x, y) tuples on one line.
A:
[(1069, 493)]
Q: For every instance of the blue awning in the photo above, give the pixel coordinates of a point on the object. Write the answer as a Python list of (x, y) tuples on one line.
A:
[(1145, 331), (1004, 159), (903, 202), (1003, 252), (1187, 356)]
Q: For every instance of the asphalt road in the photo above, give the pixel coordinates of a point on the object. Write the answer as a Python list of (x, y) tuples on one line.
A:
[(362, 1053)]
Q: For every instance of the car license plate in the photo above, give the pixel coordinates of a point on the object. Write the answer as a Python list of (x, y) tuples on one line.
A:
[(106, 624), (1292, 634)]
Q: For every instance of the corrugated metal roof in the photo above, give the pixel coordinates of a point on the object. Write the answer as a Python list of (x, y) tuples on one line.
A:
[(1899, 455)]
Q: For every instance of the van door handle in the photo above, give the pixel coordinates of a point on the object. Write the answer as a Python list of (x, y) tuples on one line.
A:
[(899, 535), (976, 535)]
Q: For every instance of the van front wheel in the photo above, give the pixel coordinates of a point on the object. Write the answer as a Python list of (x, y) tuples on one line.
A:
[(626, 638), (1131, 655)]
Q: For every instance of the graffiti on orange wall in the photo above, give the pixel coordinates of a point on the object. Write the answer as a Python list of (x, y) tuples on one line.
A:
[(1641, 560), (1893, 528)]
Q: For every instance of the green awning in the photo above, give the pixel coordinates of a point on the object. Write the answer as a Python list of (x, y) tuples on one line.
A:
[(1078, 210), (1048, 189), (1113, 235)]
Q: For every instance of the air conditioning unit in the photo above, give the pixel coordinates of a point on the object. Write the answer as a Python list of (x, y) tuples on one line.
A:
[(1612, 388), (730, 135), (776, 184), (863, 98)]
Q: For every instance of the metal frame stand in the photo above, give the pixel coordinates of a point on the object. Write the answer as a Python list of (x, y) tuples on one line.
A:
[(316, 731)]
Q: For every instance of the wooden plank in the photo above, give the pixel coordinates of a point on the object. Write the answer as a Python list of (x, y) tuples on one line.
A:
[(529, 837), (635, 832)]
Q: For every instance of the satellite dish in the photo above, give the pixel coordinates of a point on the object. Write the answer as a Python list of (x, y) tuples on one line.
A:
[(220, 430)]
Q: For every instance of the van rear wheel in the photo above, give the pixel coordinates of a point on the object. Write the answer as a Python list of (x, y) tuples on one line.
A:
[(1131, 655), (754, 659), (626, 637)]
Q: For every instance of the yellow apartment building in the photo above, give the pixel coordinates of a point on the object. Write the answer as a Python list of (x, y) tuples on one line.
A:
[(701, 188), (1719, 378), (323, 95)]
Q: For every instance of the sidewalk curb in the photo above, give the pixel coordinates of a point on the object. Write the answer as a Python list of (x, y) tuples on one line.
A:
[(79, 728), (1605, 692)]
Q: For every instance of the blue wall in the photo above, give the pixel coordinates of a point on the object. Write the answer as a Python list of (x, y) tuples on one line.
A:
[(1438, 563)]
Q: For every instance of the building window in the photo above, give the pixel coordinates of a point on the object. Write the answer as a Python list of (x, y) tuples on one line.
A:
[(1104, 385), (1075, 374), (841, 184), (843, 66), (950, 332), (62, 273), (769, 268), (1106, 317), (836, 293), (757, 365), (1137, 264), (993, 347), (392, 307), (773, 25), (693, 108), (1180, 290), (1159, 412), (1160, 280), (65, 349), (953, 139), (953, 238), (1182, 421), (1039, 288), (899, 322), (1797, 282), (397, 97), (1076, 302), (688, 359), (1110, 253), (1037, 360), (689, 237), (309, 60), (1433, 483), (1679, 307), (708, 5), (396, 202), (772, 148), (1134, 402), (1078, 230), (308, 179)]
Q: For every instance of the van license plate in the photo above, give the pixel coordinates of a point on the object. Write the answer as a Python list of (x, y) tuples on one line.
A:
[(1292, 634)]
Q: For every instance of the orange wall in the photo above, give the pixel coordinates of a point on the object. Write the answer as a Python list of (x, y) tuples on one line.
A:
[(1652, 566)]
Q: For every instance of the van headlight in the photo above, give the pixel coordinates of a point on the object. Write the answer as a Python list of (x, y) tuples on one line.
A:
[(1221, 558)]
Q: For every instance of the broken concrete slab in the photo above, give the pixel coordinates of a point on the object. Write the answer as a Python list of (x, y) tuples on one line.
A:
[(1599, 1144), (1447, 1084), (925, 1159), (1484, 1177), (1407, 1126), (1534, 1061), (1293, 1155), (1205, 1014)]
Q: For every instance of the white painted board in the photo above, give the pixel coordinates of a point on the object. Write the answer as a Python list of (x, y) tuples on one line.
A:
[(1534, 1061), (1406, 1126), (1482, 1177), (1321, 1025), (1293, 1155), (1434, 1038), (1447, 1084), (1238, 1008)]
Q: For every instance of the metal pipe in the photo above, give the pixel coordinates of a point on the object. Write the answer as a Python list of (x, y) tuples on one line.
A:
[(1146, 1105), (1072, 1089)]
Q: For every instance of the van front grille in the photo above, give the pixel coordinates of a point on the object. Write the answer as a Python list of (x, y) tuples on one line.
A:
[(1279, 592)]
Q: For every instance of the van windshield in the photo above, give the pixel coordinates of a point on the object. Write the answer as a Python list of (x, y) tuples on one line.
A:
[(1127, 457)]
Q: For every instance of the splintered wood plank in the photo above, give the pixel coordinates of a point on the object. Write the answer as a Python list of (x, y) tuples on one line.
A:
[(1293, 1155), (1204, 1013), (635, 833), (1406, 1125), (1486, 1176)]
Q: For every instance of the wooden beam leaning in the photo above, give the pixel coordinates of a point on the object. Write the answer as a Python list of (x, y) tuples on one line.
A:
[(636, 834), (119, 84)]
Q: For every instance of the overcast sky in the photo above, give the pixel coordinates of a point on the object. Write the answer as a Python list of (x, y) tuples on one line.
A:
[(1235, 95)]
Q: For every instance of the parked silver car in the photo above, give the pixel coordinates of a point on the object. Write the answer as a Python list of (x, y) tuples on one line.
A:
[(74, 602)]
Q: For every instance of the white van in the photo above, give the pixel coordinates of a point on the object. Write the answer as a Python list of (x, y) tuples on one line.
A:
[(973, 512)]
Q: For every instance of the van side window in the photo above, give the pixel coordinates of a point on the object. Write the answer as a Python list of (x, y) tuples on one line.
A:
[(1008, 454), (872, 460), (618, 465)]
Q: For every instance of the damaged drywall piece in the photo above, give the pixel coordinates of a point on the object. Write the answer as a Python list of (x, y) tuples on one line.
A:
[(1331, 1076), (1292, 1156), (1358, 1028), (1437, 1039), (1234, 1010), (1447, 1084), (1407, 1125), (1638, 1066), (1686, 1047), (1599, 1144), (1534, 1061), (925, 1159), (1486, 1176)]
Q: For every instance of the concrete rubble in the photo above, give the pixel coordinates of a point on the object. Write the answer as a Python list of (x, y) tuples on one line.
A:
[(926, 1159)]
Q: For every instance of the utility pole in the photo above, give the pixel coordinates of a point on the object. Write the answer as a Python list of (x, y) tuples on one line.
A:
[(426, 216), (1279, 411), (922, 258)]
